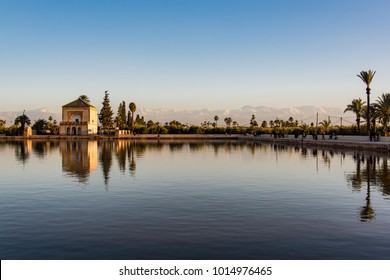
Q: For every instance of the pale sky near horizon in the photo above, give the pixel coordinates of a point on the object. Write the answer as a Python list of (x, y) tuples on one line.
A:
[(192, 54)]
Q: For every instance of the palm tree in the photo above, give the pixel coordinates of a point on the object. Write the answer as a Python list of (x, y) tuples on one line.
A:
[(228, 121), (374, 115), (22, 120), (290, 121), (367, 77), (2, 123), (132, 108), (84, 98), (326, 125), (305, 129), (382, 107), (356, 107), (216, 118)]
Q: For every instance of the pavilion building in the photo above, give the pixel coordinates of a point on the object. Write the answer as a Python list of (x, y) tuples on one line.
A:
[(79, 118)]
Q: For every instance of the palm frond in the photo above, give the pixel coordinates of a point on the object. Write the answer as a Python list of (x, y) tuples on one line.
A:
[(367, 76)]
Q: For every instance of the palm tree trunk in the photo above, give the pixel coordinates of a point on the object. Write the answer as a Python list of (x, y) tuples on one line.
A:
[(358, 124), (368, 113), (132, 120)]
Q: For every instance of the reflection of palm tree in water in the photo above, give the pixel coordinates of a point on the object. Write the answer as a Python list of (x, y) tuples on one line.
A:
[(127, 148), (106, 160), (21, 152), (384, 178), (376, 174), (132, 165), (120, 152), (125, 151), (367, 212), (326, 159)]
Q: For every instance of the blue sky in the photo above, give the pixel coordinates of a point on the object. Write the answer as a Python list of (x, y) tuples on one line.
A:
[(192, 54)]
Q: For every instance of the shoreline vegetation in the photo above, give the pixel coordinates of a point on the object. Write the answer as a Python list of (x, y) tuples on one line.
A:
[(341, 142)]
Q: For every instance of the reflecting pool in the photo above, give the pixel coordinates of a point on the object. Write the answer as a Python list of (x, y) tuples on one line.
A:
[(191, 200)]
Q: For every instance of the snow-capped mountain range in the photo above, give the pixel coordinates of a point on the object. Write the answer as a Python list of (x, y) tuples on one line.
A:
[(305, 114), (34, 115)]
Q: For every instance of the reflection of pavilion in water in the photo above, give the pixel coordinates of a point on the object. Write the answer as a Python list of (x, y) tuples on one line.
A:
[(79, 158)]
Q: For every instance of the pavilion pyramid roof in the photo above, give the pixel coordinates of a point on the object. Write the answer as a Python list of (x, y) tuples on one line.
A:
[(78, 103)]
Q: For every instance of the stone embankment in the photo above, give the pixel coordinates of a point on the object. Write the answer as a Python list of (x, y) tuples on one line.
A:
[(341, 142)]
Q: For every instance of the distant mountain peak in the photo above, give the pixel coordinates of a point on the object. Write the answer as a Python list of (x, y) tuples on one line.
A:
[(243, 114), (33, 114)]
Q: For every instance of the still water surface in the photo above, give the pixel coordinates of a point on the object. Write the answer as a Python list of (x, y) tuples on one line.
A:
[(191, 200)]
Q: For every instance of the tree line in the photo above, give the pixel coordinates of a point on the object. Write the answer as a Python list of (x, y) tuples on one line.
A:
[(375, 116), (371, 119)]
